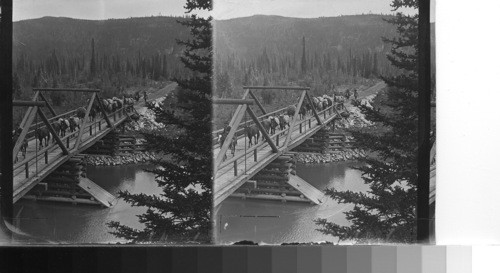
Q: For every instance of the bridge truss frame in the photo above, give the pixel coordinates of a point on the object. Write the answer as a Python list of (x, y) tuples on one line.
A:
[(28, 128), (244, 106)]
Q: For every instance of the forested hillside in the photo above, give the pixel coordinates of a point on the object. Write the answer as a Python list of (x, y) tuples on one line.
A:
[(115, 55), (322, 53), (65, 51)]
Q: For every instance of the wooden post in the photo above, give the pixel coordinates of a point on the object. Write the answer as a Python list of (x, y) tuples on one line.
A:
[(235, 168), (67, 142), (255, 155), (46, 157), (309, 123), (300, 127), (278, 140), (294, 119), (84, 123), (123, 106), (27, 169)]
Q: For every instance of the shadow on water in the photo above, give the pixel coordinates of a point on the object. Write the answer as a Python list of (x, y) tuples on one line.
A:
[(68, 223), (276, 222)]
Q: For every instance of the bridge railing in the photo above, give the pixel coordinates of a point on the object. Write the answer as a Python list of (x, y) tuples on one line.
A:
[(278, 139), (31, 133), (34, 159), (254, 149), (241, 130)]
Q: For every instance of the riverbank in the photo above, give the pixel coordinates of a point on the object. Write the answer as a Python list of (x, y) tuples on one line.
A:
[(335, 156), (126, 159)]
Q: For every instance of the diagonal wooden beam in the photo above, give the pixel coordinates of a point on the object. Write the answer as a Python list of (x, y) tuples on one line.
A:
[(53, 132), (294, 120), (28, 120), (103, 111), (239, 107), (262, 130), (52, 111), (25, 118), (84, 123), (238, 116), (314, 109), (258, 103)]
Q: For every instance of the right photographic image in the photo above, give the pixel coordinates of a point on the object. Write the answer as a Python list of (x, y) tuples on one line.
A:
[(316, 131)]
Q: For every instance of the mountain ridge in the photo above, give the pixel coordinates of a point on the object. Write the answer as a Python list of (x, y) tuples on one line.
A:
[(70, 36)]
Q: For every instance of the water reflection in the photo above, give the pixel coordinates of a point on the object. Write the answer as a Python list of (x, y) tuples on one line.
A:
[(276, 222), (67, 223)]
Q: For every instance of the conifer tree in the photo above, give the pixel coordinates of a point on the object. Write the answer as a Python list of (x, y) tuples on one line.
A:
[(304, 61), (387, 212), (181, 212), (375, 65), (92, 60)]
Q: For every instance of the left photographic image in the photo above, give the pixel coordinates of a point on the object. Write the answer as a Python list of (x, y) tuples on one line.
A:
[(111, 123)]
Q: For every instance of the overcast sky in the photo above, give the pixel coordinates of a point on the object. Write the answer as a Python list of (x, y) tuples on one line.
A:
[(96, 9), (223, 9)]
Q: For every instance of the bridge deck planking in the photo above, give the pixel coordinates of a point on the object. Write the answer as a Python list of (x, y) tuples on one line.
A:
[(55, 158), (225, 181)]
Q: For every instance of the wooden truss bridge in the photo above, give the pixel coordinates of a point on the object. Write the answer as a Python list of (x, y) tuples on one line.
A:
[(39, 162), (231, 173)]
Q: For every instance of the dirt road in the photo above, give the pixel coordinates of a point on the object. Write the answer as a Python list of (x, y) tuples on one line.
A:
[(372, 90), (158, 94)]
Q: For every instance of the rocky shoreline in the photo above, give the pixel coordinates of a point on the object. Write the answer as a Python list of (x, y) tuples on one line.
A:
[(336, 156), (108, 160)]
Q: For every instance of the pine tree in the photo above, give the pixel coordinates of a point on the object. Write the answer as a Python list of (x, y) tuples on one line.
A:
[(92, 61), (388, 211), (303, 63), (223, 85), (375, 64), (182, 211)]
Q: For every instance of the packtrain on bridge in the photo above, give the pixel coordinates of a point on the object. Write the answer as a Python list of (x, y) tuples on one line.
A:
[(59, 138), (239, 156)]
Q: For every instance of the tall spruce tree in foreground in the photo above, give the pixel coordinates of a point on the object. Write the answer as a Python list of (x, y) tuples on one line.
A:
[(387, 212), (182, 211)]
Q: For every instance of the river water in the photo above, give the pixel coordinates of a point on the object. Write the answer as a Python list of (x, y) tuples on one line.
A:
[(278, 222), (67, 223)]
